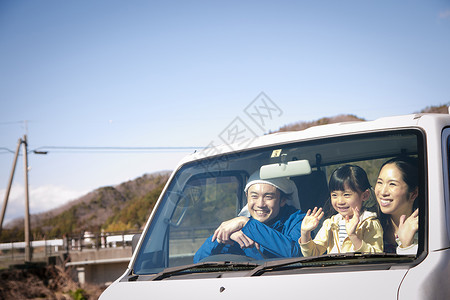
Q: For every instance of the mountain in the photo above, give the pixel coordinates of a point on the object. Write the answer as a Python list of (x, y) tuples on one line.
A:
[(322, 121), (112, 208), (128, 205), (442, 109)]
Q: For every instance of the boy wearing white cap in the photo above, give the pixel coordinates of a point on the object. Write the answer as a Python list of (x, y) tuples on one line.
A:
[(272, 229)]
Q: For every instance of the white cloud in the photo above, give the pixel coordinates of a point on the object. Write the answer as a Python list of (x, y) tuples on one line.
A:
[(42, 198), (444, 14), (14, 208)]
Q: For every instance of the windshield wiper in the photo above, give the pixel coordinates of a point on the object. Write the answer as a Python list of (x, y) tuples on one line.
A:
[(205, 267), (256, 269), (325, 260)]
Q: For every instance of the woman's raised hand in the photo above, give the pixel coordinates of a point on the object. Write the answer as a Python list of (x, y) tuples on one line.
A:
[(407, 228)]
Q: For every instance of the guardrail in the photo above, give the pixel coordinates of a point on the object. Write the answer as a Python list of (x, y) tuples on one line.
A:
[(100, 240), (42, 249), (16, 250)]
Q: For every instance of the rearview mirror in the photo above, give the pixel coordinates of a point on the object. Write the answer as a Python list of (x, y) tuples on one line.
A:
[(290, 168)]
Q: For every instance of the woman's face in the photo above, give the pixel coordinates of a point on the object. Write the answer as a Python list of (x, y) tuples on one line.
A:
[(393, 193)]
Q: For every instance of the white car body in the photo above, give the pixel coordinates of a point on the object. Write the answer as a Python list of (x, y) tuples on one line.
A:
[(423, 277)]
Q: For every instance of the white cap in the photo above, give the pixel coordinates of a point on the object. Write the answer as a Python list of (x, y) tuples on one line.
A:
[(284, 184)]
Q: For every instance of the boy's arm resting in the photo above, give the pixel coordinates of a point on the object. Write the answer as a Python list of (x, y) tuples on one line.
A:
[(282, 243), (212, 248), (208, 248)]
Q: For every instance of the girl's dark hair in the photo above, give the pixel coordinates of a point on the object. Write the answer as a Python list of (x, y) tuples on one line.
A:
[(355, 178), (351, 176)]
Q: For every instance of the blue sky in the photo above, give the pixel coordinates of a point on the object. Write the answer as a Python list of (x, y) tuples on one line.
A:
[(176, 73)]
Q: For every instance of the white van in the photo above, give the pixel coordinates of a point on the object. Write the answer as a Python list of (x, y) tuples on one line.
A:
[(207, 188)]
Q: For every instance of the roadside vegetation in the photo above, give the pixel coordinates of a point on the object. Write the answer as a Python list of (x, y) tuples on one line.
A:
[(44, 282)]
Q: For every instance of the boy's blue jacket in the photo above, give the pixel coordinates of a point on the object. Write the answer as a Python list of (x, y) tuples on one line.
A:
[(277, 239)]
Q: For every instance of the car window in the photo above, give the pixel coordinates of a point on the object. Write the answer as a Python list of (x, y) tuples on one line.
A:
[(204, 200), (208, 191)]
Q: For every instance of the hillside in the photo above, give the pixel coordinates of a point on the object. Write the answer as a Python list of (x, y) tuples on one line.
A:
[(442, 109), (128, 205), (322, 121), (112, 208)]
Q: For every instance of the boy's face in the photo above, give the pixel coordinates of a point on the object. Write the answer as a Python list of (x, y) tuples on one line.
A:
[(264, 201)]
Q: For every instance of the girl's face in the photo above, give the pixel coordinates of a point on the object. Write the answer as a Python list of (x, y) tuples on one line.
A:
[(344, 202), (393, 193)]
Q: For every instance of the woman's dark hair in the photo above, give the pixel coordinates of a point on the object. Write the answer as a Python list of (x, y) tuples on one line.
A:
[(408, 166)]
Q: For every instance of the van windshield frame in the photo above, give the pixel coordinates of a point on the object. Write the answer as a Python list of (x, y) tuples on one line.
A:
[(205, 192)]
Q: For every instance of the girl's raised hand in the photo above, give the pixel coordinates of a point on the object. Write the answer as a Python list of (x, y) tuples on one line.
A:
[(312, 219), (350, 226), (352, 223), (309, 223)]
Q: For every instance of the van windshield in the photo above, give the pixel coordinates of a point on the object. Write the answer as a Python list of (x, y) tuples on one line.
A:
[(259, 198)]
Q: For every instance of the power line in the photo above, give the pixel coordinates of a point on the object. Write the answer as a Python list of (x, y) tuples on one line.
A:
[(12, 122), (6, 150), (97, 149)]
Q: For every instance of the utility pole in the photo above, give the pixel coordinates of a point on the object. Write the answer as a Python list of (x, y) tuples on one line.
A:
[(23, 141), (8, 189), (27, 204)]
